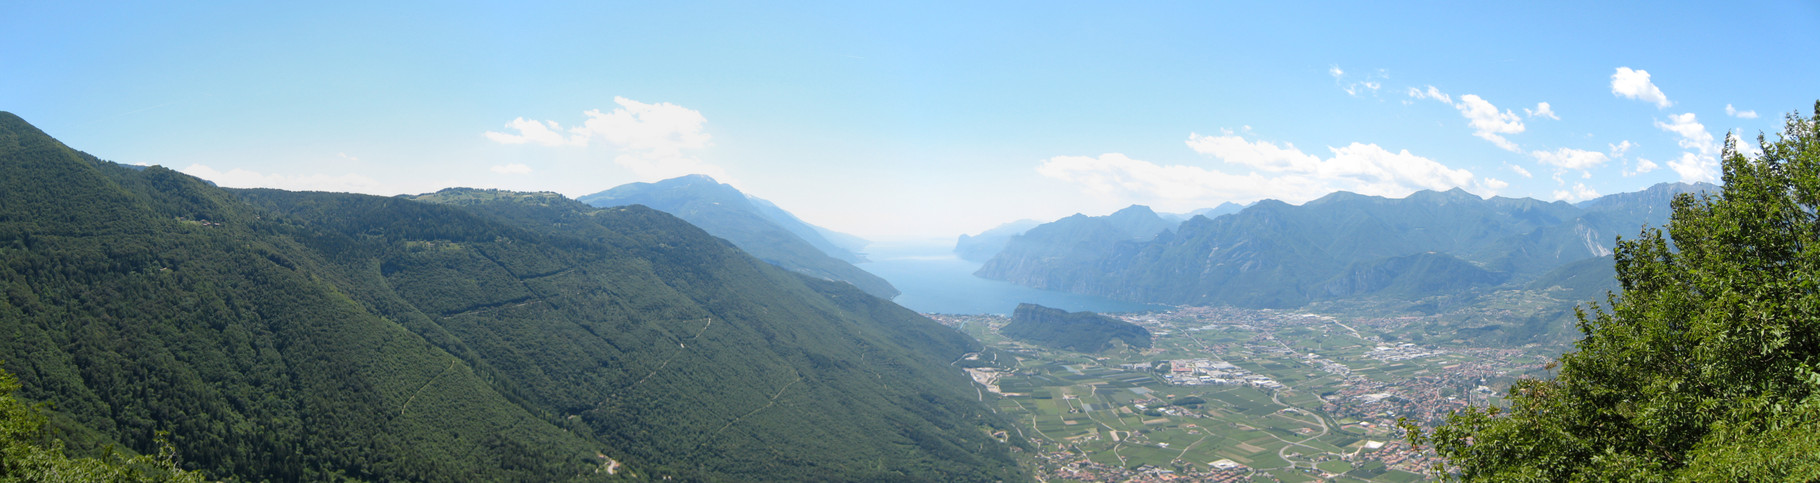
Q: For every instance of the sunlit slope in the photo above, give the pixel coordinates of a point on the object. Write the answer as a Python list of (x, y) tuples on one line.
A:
[(141, 301), (469, 335)]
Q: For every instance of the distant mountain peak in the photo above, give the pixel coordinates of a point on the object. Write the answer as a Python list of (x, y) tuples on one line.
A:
[(757, 226), (1134, 210)]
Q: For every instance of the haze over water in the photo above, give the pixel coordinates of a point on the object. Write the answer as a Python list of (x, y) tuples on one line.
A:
[(934, 280)]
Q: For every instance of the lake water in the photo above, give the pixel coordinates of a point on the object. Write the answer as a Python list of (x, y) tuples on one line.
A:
[(934, 281)]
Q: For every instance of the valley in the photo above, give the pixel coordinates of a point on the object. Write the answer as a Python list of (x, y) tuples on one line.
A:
[(1229, 394)]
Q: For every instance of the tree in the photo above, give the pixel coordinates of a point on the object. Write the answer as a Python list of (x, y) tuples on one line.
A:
[(25, 455), (1706, 368)]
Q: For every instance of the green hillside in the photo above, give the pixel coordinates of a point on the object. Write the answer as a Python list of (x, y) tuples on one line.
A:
[(465, 335), (1075, 331)]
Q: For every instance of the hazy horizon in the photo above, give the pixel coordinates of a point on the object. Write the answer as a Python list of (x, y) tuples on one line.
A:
[(918, 122)]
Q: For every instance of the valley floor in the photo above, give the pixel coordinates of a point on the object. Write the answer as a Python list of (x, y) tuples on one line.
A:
[(1238, 395)]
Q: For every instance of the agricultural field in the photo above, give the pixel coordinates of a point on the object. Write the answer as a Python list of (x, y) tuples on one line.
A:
[(1236, 395)]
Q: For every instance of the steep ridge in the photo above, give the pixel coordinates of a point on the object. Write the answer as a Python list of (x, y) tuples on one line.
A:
[(754, 225), (463, 335)]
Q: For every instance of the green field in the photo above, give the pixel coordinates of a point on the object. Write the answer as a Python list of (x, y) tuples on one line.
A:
[(1078, 406)]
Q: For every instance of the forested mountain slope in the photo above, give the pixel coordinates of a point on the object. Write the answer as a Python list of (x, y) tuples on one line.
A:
[(1075, 331), (1276, 255), (754, 225), (469, 335)]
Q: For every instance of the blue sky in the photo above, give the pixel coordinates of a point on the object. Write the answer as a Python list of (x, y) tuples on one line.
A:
[(901, 120)]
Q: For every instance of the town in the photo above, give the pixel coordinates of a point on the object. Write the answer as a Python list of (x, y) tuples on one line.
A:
[(1229, 395)]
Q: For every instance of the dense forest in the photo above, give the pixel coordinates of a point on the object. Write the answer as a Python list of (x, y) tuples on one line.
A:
[(463, 335), (1075, 331)]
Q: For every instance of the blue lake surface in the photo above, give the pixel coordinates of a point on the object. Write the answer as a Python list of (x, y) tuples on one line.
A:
[(934, 281)]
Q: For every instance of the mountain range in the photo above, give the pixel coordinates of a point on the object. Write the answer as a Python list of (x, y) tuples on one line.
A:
[(461, 335), (757, 226), (1343, 245)]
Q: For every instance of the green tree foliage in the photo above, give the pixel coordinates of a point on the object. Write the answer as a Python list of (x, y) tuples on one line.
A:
[(1075, 331), (469, 335), (1707, 368), (27, 454)]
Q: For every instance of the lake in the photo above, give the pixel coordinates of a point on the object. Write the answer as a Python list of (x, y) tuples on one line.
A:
[(934, 281)]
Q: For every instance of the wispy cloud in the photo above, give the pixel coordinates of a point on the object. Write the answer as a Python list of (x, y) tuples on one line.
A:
[(1271, 170), (1577, 194), (1519, 170), (1368, 85), (547, 133), (1569, 158), (1734, 112), (653, 139), (1635, 84), (1701, 161), (1488, 123), (1430, 93)]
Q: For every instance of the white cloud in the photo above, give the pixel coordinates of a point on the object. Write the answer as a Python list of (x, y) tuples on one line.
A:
[(1261, 155), (1693, 167), (662, 129), (1569, 158), (1430, 93), (1520, 170), (529, 131), (1542, 110), (653, 139), (1693, 134), (1372, 81), (1272, 171), (1643, 166), (1701, 162), (243, 178), (1618, 150), (1734, 112), (1488, 123), (1579, 193), (1747, 147), (1635, 84), (513, 168), (346, 156)]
